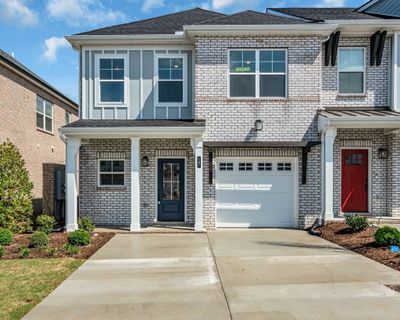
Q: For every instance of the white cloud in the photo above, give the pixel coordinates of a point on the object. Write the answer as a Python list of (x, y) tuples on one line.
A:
[(82, 12), (52, 45), (149, 5), (331, 3), (237, 5), (219, 4), (15, 11)]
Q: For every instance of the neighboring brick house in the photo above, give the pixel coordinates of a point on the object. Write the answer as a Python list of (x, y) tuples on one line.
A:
[(244, 120), (31, 112)]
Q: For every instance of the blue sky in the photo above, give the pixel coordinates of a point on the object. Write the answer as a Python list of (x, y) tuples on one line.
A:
[(33, 30)]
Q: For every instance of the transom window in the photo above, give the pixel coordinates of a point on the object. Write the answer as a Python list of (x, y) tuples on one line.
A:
[(351, 70), (264, 166), (44, 114), (112, 80), (111, 173), (171, 80), (226, 166), (257, 73), (245, 166), (284, 166)]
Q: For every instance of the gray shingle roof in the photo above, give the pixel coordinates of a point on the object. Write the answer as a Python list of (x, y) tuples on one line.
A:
[(325, 13), (85, 123), (9, 60), (250, 17), (167, 24)]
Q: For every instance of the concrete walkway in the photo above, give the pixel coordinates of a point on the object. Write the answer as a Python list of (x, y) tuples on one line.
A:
[(265, 274)]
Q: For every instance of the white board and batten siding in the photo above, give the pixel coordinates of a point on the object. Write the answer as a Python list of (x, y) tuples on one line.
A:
[(256, 192)]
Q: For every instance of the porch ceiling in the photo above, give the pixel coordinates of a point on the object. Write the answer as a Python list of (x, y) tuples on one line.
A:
[(358, 118)]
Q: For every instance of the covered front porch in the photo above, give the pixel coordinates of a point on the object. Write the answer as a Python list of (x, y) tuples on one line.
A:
[(360, 162), (135, 173)]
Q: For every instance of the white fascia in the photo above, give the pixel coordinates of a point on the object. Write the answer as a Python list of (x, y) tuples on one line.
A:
[(139, 132), (314, 28), (371, 123), (366, 26), (78, 40)]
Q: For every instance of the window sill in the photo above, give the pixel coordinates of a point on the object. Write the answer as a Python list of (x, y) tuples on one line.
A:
[(44, 131), (351, 95), (257, 99), (111, 188)]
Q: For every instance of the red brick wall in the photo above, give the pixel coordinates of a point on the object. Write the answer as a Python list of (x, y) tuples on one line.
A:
[(18, 123)]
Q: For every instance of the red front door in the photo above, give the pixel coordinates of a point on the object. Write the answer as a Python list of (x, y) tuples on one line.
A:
[(354, 180)]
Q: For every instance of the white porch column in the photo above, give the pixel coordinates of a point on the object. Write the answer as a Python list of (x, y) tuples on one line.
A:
[(329, 139), (135, 184), (198, 153), (71, 184)]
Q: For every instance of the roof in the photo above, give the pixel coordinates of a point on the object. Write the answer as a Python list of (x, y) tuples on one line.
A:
[(388, 8), (365, 113), (250, 17), (85, 123), (167, 24), (320, 14), (15, 64)]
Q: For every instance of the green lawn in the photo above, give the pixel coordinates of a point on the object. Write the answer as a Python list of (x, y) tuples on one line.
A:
[(25, 282)]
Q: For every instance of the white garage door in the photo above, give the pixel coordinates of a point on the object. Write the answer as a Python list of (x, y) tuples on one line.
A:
[(255, 193)]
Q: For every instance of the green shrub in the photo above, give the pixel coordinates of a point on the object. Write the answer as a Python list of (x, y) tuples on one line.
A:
[(51, 252), (39, 240), (1, 250), (79, 238), (15, 190), (85, 223), (71, 249), (45, 223), (6, 237), (357, 223), (387, 236), (24, 251)]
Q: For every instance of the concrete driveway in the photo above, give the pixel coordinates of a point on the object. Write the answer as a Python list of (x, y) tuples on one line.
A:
[(259, 274)]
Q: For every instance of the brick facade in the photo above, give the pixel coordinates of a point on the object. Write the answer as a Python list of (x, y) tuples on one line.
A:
[(42, 151)]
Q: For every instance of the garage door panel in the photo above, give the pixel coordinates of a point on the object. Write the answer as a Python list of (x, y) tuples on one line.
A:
[(255, 198)]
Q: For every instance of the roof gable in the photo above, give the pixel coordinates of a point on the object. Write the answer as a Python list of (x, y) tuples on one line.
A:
[(167, 24)]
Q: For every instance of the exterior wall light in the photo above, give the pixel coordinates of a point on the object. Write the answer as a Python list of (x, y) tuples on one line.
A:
[(382, 153), (145, 161), (258, 125)]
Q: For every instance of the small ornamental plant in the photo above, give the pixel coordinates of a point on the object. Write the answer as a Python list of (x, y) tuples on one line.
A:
[(45, 223), (39, 239), (6, 237), (79, 238), (357, 223), (71, 249), (85, 223), (24, 251), (386, 236), (1, 250)]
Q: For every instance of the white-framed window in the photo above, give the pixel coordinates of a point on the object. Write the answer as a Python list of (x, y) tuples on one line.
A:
[(111, 172), (171, 80), (226, 166), (245, 166), (44, 114), (351, 69), (111, 79), (260, 73), (67, 117)]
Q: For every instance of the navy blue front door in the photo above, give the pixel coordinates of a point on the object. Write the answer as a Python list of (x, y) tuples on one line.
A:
[(171, 189)]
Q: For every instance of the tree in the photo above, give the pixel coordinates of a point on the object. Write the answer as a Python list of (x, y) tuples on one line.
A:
[(15, 190)]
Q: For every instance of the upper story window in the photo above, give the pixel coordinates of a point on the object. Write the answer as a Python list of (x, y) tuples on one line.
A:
[(44, 114), (67, 117), (257, 73), (351, 70), (171, 79), (111, 79)]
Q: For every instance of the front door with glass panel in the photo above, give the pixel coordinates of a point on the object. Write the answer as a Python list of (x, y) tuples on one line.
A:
[(171, 189)]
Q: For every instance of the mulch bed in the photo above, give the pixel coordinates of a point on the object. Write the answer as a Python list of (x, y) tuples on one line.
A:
[(361, 242), (56, 240)]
